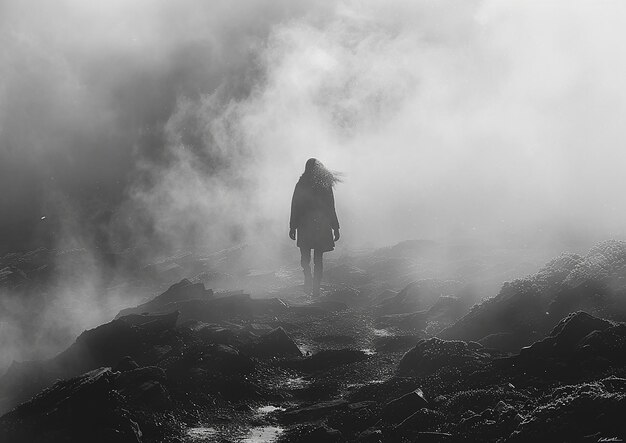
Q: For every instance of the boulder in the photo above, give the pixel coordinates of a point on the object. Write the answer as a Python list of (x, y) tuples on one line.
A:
[(313, 412), (417, 296), (565, 336), (144, 386), (432, 354), (277, 343), (78, 409), (402, 407), (182, 291)]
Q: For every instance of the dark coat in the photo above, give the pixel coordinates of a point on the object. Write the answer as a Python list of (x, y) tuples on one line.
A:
[(313, 216)]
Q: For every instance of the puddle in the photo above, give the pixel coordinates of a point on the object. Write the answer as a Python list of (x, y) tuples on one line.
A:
[(268, 409), (263, 434), (201, 434)]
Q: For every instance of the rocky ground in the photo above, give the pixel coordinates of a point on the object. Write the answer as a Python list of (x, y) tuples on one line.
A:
[(378, 357)]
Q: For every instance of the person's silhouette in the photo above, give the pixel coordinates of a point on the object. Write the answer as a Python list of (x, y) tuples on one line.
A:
[(314, 219)]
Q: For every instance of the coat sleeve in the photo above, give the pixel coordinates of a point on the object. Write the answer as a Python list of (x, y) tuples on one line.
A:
[(334, 222), (296, 210)]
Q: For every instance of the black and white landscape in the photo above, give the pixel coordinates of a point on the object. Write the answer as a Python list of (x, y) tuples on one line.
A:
[(149, 290)]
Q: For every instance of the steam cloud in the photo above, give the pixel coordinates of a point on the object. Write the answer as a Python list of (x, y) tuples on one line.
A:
[(488, 120), (187, 123)]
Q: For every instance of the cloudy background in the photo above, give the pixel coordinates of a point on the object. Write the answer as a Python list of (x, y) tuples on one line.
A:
[(186, 123)]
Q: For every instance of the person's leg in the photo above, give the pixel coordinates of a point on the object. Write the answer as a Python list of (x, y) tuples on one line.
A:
[(318, 271), (305, 261)]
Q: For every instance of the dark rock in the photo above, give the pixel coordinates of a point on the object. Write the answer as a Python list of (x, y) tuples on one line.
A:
[(536, 303), (126, 364), (313, 434), (314, 412), (371, 435), (432, 354), (329, 358), (572, 411), (518, 308), (402, 407), (182, 291), (232, 336), (321, 389), (70, 410), (417, 296), (609, 344), (275, 344), (153, 323), (144, 386), (433, 437), (230, 307), (506, 341), (210, 359), (423, 419), (565, 336)]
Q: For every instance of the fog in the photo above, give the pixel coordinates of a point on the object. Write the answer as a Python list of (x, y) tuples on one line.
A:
[(185, 125)]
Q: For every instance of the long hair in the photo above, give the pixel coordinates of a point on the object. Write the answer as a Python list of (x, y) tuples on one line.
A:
[(316, 174)]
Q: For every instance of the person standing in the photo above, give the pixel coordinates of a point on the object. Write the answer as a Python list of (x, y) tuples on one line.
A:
[(314, 220)]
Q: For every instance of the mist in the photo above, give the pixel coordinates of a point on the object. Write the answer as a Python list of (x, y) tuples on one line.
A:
[(184, 126)]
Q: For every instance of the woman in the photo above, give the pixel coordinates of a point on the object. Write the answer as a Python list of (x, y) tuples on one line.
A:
[(314, 219)]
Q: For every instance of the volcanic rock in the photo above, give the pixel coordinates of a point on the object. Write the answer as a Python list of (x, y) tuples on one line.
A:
[(423, 419), (152, 323), (71, 410), (329, 358), (570, 412), (314, 412), (432, 354), (182, 291), (565, 336), (277, 343), (229, 307), (534, 305), (417, 296), (402, 407), (126, 364), (144, 386), (313, 434)]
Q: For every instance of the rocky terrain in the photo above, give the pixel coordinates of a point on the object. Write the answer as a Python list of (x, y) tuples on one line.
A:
[(395, 349)]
